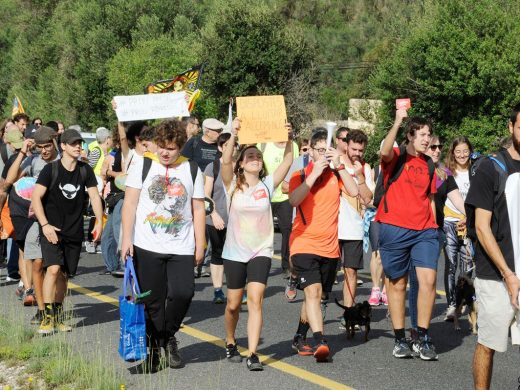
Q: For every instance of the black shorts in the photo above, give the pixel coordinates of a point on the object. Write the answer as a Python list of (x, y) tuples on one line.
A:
[(65, 254), (373, 235), (312, 269), (217, 239), (255, 270), (21, 226), (352, 253)]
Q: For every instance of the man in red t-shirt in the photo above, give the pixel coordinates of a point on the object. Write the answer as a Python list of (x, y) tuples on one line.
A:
[(408, 233)]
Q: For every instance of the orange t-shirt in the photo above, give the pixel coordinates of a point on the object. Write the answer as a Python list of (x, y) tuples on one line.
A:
[(320, 208)]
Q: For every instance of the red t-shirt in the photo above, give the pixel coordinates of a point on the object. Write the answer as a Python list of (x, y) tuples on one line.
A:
[(407, 198)]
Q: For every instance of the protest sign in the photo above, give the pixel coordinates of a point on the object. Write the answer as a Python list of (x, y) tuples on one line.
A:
[(151, 106), (262, 119), (403, 103)]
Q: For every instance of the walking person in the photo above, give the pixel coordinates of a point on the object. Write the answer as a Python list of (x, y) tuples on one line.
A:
[(248, 249), (163, 220)]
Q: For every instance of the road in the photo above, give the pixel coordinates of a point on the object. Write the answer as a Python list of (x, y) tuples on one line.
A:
[(354, 364)]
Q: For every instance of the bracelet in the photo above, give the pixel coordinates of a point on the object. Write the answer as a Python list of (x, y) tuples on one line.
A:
[(45, 225)]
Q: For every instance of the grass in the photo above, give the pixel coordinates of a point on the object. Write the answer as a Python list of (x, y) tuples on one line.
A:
[(52, 359)]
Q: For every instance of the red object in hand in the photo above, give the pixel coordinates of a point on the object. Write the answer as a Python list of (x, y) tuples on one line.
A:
[(403, 103)]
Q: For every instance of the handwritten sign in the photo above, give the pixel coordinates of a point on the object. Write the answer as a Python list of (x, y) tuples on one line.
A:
[(151, 106), (262, 119), (403, 103)]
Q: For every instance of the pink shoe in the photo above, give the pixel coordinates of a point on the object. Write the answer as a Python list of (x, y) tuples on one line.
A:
[(375, 297), (384, 299)]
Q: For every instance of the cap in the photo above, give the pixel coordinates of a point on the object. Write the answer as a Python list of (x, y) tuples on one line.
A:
[(29, 131), (70, 136), (44, 135), (212, 124), (14, 137)]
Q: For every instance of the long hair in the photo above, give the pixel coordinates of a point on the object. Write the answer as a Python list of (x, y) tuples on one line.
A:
[(439, 167), (239, 171), (451, 163)]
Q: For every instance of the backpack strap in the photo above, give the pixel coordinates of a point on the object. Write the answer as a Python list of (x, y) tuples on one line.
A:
[(302, 179), (3, 152), (54, 173), (147, 164), (193, 170), (305, 160), (431, 172), (83, 173), (216, 170), (398, 169)]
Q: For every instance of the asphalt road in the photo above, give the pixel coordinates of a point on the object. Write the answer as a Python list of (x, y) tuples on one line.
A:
[(354, 363)]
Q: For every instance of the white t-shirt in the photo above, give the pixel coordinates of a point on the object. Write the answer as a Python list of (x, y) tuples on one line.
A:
[(462, 180), (350, 221), (250, 230), (164, 219)]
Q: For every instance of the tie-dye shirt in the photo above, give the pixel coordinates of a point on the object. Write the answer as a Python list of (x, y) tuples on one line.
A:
[(250, 230)]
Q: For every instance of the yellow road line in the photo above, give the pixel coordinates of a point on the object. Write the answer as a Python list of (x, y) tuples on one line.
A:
[(268, 361)]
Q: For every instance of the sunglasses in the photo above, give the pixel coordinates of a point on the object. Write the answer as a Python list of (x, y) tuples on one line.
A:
[(343, 139), (435, 147), (305, 149)]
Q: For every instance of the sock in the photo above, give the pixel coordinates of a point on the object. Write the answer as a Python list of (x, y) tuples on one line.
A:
[(303, 328), (49, 310), (399, 334), (318, 337), (58, 310), (422, 332)]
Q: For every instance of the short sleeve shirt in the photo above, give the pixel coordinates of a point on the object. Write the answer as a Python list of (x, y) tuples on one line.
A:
[(250, 230), (200, 151), (164, 217)]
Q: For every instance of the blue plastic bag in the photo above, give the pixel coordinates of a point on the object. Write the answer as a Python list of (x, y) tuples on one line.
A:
[(132, 337)]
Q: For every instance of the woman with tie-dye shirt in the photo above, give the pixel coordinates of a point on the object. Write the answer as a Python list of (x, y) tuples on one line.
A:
[(249, 242)]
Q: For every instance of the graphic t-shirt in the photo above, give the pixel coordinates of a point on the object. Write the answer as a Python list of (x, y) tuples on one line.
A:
[(63, 203), (164, 218), (507, 231), (273, 157), (319, 234), (350, 222), (250, 230), (407, 198), (462, 180), (219, 195), (200, 151)]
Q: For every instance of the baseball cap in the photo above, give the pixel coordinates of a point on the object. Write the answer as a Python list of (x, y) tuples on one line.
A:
[(212, 124), (29, 131), (70, 136), (14, 137), (44, 135)]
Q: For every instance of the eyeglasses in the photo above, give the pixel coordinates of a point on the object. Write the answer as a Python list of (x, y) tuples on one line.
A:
[(462, 152), (216, 130), (47, 147), (435, 147), (320, 150), (37, 123)]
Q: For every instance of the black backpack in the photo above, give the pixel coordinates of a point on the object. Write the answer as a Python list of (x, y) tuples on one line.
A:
[(3, 152), (381, 190), (147, 164), (502, 172)]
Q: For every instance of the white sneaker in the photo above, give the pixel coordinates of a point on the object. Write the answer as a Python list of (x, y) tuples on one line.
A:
[(450, 313), (90, 247)]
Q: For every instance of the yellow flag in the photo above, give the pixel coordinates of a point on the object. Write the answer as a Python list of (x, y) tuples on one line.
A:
[(17, 106)]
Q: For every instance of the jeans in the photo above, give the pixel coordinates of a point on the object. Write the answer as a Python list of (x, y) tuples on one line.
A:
[(110, 238), (12, 257), (284, 211)]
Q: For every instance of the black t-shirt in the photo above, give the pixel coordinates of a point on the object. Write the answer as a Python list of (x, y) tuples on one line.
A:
[(200, 151), (63, 203), (440, 197), (482, 195)]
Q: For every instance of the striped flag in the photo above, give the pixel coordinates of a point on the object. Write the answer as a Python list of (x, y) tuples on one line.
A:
[(17, 106)]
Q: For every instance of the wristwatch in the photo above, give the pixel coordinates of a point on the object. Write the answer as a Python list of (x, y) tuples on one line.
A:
[(340, 167)]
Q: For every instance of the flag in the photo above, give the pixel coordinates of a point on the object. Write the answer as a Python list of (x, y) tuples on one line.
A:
[(229, 125), (187, 81), (17, 106)]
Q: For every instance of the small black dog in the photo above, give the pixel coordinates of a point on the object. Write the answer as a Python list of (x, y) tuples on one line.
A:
[(359, 314), (465, 295)]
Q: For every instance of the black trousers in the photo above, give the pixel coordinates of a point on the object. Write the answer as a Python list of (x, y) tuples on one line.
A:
[(284, 212), (172, 284)]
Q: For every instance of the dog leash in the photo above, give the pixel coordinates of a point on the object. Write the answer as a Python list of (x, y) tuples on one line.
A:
[(350, 291)]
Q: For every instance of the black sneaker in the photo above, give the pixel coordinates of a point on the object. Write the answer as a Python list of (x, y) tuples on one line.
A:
[(301, 346), (425, 348), (173, 358), (232, 354), (152, 364), (253, 363), (38, 317), (402, 349)]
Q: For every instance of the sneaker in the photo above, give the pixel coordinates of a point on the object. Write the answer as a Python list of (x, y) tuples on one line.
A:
[(196, 272), (450, 313), (342, 323), (173, 358), (323, 305), (232, 354), (359, 282), (38, 317), (384, 298), (152, 364), (244, 298), (62, 327), (204, 272), (98, 249), (90, 247), (301, 346), (402, 349), (19, 292), (13, 278), (28, 297), (219, 297), (321, 352), (291, 290), (119, 273), (375, 297), (253, 363), (47, 325), (425, 348)]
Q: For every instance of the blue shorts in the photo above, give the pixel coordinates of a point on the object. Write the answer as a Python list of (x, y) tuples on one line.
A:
[(402, 248)]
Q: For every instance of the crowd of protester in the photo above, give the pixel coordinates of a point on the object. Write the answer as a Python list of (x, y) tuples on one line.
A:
[(186, 205)]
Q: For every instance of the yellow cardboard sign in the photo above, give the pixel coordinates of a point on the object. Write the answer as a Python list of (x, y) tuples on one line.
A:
[(262, 119)]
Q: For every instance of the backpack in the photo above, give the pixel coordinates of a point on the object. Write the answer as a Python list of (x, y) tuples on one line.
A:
[(502, 172), (147, 164), (3, 152), (381, 190)]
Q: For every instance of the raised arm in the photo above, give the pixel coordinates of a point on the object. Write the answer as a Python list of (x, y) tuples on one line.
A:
[(14, 172), (348, 182), (288, 157), (387, 149), (226, 169), (365, 193)]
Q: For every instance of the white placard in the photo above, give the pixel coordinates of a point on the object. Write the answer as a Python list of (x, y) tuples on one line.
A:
[(330, 131), (151, 106)]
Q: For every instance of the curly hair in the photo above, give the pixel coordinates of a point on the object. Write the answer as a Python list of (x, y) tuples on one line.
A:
[(239, 171), (450, 157), (170, 131)]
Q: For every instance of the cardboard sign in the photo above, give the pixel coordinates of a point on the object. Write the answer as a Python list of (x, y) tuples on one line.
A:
[(262, 119), (151, 106), (403, 103)]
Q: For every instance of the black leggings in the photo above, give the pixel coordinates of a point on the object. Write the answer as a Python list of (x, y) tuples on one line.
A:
[(172, 284)]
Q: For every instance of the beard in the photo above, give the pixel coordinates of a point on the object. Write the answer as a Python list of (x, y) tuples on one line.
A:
[(354, 158)]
